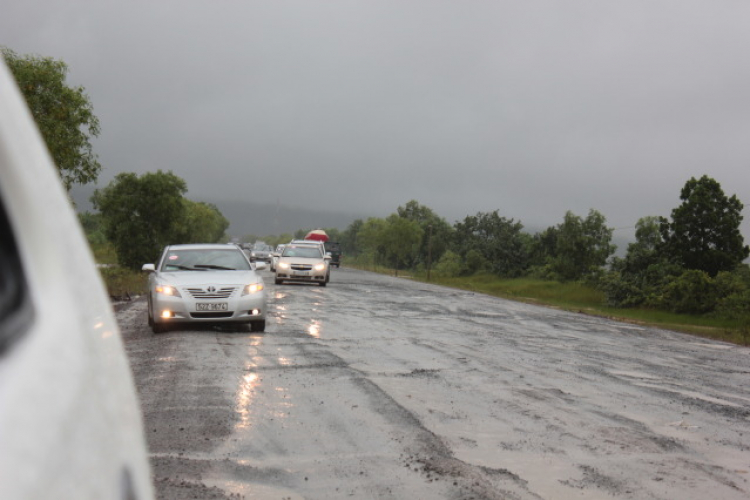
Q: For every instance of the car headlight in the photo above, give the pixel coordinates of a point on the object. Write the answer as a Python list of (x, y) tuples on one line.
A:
[(319, 267), (252, 288), (167, 290), (283, 265)]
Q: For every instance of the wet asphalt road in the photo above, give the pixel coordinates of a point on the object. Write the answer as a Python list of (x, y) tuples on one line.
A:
[(379, 387)]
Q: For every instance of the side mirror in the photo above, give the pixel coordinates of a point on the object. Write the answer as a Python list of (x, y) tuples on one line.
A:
[(150, 268), (327, 256), (275, 254), (260, 265)]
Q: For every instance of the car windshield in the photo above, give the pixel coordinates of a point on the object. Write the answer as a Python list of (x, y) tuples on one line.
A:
[(262, 248), (204, 260), (309, 252)]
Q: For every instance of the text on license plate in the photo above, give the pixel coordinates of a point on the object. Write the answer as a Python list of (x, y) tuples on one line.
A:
[(211, 306)]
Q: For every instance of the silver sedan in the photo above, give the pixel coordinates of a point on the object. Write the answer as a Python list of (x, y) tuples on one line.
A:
[(205, 283), (303, 262)]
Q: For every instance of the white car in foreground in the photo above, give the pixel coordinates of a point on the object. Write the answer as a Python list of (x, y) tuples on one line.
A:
[(70, 421), (205, 283)]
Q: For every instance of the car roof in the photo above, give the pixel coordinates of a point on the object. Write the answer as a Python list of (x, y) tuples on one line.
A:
[(204, 246), (305, 242), (303, 245)]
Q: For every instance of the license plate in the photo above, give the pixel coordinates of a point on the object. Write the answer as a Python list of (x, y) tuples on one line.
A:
[(301, 273), (211, 306)]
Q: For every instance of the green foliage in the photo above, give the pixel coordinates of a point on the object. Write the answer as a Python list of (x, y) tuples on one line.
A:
[(476, 262), (639, 279), (693, 292), (449, 265), (581, 246), (437, 233), (734, 294), (201, 223), (704, 233), (122, 282), (142, 215), (499, 241), (349, 238), (401, 239), (64, 115)]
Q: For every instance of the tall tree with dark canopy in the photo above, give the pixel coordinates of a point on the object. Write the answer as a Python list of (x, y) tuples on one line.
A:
[(142, 215), (64, 115), (704, 233), (498, 240)]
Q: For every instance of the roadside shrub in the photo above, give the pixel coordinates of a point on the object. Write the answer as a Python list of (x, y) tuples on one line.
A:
[(621, 292), (122, 282), (475, 262), (693, 292), (449, 265)]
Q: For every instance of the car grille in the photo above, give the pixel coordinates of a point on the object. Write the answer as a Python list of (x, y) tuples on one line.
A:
[(204, 315), (211, 292), (301, 267)]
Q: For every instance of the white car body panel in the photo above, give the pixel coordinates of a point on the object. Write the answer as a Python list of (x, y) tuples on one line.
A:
[(70, 421)]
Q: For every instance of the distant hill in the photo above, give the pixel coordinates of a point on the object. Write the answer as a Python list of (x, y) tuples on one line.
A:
[(253, 218), (266, 219)]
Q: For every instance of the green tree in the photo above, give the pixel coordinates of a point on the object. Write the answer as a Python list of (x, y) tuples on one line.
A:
[(349, 241), (704, 233), (582, 246), (201, 223), (64, 115), (370, 239), (401, 239), (498, 240), (437, 233), (142, 215), (640, 278)]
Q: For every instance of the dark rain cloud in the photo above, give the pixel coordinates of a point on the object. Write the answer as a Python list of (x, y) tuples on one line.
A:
[(532, 108)]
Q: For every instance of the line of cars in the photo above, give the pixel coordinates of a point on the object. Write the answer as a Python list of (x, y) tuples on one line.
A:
[(221, 283)]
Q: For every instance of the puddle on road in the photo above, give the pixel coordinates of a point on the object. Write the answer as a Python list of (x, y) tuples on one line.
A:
[(314, 329), (251, 491), (245, 396)]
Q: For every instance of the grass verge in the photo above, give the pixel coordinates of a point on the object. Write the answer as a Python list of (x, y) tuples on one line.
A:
[(123, 283)]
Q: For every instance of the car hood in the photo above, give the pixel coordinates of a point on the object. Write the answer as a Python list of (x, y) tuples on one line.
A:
[(188, 278), (301, 260)]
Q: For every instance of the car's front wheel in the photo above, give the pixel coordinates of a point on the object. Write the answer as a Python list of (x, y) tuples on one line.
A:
[(150, 314), (159, 328), (258, 326)]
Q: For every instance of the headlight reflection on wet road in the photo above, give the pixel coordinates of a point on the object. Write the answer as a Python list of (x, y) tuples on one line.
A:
[(245, 396)]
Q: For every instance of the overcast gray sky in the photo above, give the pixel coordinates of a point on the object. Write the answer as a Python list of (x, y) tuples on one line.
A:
[(529, 107)]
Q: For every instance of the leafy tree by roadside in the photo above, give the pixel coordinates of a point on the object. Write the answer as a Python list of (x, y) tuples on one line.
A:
[(401, 240), (63, 113), (704, 232), (582, 246), (640, 277), (437, 233), (202, 223), (500, 243), (142, 215)]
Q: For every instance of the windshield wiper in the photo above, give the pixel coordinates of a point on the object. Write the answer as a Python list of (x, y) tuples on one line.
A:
[(185, 268), (211, 266)]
